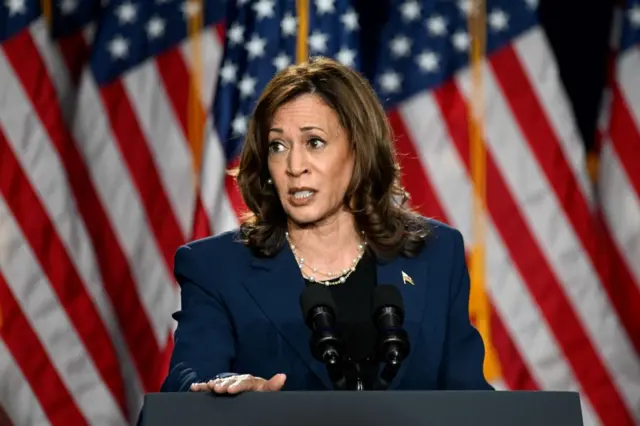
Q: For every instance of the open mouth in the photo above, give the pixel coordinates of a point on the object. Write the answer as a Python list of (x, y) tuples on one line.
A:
[(301, 196)]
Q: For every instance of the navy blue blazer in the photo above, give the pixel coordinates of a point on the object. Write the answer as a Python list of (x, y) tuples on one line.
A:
[(241, 313)]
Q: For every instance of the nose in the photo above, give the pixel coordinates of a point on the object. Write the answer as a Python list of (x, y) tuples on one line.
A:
[(297, 161)]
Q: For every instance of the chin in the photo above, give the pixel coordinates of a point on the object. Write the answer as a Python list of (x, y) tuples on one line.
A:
[(303, 218)]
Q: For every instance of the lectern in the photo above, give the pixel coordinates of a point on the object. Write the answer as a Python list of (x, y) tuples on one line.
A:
[(370, 408)]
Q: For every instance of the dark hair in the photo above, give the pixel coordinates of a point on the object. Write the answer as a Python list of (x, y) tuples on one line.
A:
[(374, 196)]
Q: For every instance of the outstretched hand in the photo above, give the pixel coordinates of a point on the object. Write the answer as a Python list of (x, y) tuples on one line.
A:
[(241, 383)]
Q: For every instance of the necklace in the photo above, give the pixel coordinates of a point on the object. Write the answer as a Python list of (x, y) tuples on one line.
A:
[(342, 275)]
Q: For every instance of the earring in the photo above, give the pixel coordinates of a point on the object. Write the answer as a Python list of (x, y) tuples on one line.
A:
[(269, 181)]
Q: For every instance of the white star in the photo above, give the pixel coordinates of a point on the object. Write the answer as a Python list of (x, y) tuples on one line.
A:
[(634, 16), (436, 25), (498, 20), (427, 61), (119, 47), (155, 27), (288, 25), (390, 82), (347, 57), (325, 6), (235, 34), (400, 46), (350, 20), (263, 9), (239, 125), (465, 6), (190, 8), (255, 46), (16, 6), (67, 7), (318, 41), (228, 72), (281, 61), (410, 10), (247, 86), (461, 40), (126, 13)]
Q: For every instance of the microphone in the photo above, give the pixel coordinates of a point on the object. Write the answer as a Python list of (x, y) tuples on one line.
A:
[(393, 342), (319, 312)]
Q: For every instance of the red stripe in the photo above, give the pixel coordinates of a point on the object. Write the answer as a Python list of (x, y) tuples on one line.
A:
[(35, 364), (133, 146), (75, 53), (534, 268), (59, 269), (625, 137), (414, 177), (545, 145), (233, 192), (116, 274), (417, 182)]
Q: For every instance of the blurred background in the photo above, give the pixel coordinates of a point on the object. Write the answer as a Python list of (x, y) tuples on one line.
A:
[(516, 121)]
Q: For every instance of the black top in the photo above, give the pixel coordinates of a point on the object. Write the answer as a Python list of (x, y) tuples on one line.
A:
[(354, 323)]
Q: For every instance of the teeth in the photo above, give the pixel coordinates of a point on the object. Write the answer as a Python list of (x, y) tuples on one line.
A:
[(302, 194)]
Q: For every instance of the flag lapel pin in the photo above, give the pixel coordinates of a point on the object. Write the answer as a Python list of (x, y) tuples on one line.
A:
[(406, 278)]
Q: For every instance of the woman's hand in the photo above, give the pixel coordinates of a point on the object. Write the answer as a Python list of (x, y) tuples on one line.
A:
[(241, 383)]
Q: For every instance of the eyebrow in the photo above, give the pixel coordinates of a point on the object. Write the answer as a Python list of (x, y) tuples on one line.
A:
[(304, 129)]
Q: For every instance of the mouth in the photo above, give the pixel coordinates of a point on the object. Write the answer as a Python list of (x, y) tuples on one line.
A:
[(301, 196)]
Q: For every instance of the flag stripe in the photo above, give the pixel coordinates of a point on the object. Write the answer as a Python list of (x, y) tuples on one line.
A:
[(625, 134), (135, 152), (54, 404), (37, 224), (50, 315), (114, 270), (425, 143), (161, 130), (581, 278), (541, 282), (151, 274)]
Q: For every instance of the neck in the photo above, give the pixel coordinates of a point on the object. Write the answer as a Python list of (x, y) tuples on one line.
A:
[(330, 243)]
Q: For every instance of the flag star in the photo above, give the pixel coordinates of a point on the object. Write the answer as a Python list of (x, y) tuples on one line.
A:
[(410, 10), (255, 46), (263, 9), (235, 34), (346, 57), (16, 6), (465, 6), (400, 46), (427, 61), (533, 4), (461, 40), (126, 13), (390, 82), (119, 47), (155, 27), (318, 41), (288, 25), (67, 7), (634, 16), (190, 8), (498, 20), (436, 25), (281, 61), (325, 6), (239, 125), (247, 86), (228, 72), (350, 20)]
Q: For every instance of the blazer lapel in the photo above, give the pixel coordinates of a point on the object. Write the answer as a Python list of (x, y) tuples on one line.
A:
[(276, 286), (410, 277)]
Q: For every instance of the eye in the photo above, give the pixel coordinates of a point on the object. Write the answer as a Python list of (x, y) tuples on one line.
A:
[(316, 143), (275, 147)]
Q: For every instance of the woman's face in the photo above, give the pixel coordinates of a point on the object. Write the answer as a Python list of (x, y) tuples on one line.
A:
[(310, 159)]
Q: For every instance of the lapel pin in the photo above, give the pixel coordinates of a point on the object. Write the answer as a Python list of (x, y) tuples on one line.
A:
[(406, 278)]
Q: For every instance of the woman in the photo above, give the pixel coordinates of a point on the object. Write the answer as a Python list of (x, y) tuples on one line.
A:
[(319, 176)]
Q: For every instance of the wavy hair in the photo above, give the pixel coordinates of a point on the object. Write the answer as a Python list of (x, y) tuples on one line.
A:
[(374, 196)]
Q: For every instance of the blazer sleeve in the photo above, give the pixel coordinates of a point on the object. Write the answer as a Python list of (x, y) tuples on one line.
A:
[(204, 344), (462, 368)]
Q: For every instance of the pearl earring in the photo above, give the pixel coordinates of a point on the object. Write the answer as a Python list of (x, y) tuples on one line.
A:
[(269, 181)]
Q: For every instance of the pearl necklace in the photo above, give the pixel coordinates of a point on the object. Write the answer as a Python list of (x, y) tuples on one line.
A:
[(342, 275)]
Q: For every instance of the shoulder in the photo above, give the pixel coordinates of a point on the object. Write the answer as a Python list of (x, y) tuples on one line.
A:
[(443, 241)]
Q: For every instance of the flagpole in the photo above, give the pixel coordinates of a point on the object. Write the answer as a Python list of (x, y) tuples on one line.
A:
[(480, 307), (302, 49), (195, 114)]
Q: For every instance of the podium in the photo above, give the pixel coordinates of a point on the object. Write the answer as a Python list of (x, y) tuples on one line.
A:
[(370, 408)]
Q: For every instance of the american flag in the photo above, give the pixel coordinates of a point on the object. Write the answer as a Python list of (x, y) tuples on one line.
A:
[(116, 130)]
